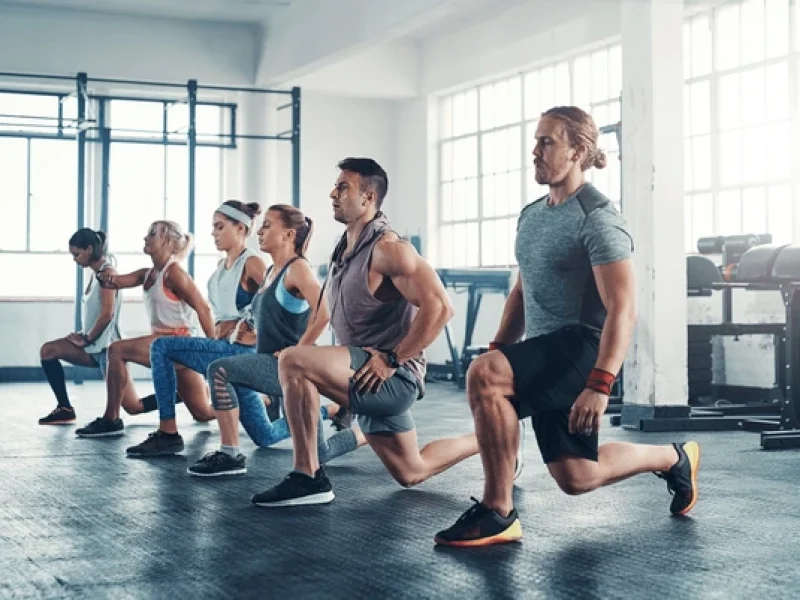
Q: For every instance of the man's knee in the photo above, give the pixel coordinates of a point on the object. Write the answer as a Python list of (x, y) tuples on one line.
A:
[(574, 484), (486, 377), (116, 351), (291, 363), (407, 480)]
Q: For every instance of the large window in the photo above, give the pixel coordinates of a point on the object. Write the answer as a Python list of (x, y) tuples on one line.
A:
[(740, 97), (485, 160)]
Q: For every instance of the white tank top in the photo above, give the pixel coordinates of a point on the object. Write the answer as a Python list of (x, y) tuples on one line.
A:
[(223, 286), (167, 313), (92, 307)]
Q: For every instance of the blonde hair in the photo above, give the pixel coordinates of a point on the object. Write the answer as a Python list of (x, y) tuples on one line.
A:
[(180, 243), (581, 131)]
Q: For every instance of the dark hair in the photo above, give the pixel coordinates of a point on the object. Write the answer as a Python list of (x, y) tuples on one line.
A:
[(86, 237), (372, 175), (293, 218), (581, 131), (252, 210)]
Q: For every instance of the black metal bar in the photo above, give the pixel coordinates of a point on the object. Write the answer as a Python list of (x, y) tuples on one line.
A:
[(34, 76), (105, 158), (788, 408), (296, 147), (134, 82), (33, 117), (736, 329), (233, 125), (284, 106), (192, 138), (222, 88), (727, 305), (81, 83), (164, 123)]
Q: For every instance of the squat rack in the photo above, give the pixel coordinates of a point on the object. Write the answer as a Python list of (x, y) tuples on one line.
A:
[(90, 127)]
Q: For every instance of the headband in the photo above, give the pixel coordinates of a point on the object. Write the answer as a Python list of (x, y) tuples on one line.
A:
[(235, 214)]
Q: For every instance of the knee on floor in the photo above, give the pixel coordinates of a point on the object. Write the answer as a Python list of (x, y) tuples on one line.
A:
[(574, 485)]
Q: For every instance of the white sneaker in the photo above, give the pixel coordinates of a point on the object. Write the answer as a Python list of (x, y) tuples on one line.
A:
[(520, 452)]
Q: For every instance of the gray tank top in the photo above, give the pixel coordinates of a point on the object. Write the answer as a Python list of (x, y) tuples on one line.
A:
[(91, 307), (357, 317), (277, 327)]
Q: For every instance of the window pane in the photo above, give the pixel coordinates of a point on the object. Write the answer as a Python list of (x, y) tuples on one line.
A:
[(562, 90), (511, 236), (752, 31), (754, 209), (780, 215), (471, 246), (700, 96), (701, 47), (136, 193), (14, 193), (465, 112), (582, 81), (614, 113), (688, 236), (54, 203), (446, 246), (459, 202), (729, 102), (532, 107), (460, 245), (600, 115), (29, 112), (779, 151), (134, 119), (177, 195), (753, 97), (702, 216), (513, 141), (447, 202), (600, 76), (488, 109), (777, 92), (754, 165), (467, 192), (730, 157), (204, 267), (701, 162), (59, 282), (687, 50), (446, 162), (500, 195), (208, 196), (688, 182), (514, 191), (512, 107), (547, 88), (615, 71), (487, 244), (446, 117), (465, 158), (614, 177), (777, 22), (727, 37), (488, 193), (489, 143), (729, 213)]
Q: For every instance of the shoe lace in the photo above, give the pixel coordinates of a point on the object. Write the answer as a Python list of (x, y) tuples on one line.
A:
[(669, 479), (475, 510), (213, 458)]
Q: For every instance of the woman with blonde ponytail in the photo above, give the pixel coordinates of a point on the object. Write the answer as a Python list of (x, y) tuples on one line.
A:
[(174, 306)]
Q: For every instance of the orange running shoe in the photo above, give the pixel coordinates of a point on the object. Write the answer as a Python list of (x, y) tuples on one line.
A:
[(481, 526), (682, 478)]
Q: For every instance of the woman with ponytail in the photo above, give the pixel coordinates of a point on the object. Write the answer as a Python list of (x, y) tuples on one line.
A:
[(287, 311), (101, 309), (174, 306)]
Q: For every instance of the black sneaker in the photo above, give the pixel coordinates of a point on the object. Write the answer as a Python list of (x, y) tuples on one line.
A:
[(61, 415), (343, 419), (218, 463), (682, 478), (158, 443), (101, 427), (297, 489), (481, 526)]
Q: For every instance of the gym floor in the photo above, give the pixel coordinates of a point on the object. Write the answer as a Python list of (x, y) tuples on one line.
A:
[(82, 520)]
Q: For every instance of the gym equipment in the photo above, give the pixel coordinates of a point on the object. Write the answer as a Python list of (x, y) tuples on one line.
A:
[(476, 282), (760, 267)]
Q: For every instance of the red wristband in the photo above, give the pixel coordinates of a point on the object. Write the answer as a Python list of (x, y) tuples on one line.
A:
[(495, 345), (601, 381)]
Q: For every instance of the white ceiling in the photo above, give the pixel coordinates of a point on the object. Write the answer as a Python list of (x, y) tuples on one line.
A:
[(234, 11)]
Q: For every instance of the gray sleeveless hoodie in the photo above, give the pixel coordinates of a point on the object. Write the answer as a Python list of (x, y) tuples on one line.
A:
[(357, 317)]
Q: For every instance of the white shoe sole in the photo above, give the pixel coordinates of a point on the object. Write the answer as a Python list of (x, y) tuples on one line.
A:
[(241, 471), (322, 498)]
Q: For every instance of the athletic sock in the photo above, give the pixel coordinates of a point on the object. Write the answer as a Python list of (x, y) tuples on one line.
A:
[(55, 377), (229, 450)]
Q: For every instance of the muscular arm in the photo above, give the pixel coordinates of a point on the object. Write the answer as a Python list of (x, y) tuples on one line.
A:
[(301, 277), (418, 283), (616, 284), (512, 324), (178, 280), (126, 281), (107, 297)]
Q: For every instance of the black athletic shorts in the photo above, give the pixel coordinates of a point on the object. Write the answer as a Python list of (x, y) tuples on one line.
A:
[(550, 372)]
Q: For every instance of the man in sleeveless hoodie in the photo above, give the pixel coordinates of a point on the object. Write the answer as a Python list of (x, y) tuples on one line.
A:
[(387, 305), (575, 305)]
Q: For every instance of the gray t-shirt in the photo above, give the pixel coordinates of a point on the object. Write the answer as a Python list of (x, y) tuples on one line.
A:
[(556, 248)]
